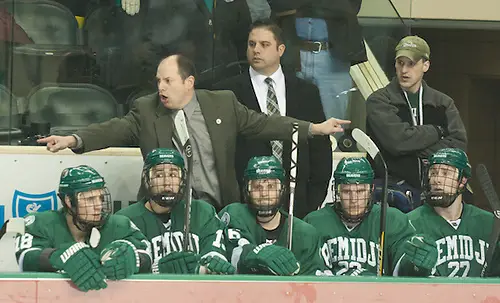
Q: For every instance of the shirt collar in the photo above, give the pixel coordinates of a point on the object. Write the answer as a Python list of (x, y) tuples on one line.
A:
[(190, 107), (277, 76)]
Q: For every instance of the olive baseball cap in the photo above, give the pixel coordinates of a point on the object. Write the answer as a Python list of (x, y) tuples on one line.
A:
[(414, 48)]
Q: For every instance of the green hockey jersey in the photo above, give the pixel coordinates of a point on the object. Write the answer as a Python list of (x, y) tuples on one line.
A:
[(461, 248), (206, 230), (49, 229), (344, 249), (242, 224)]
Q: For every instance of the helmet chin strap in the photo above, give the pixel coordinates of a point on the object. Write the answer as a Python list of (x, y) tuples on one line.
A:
[(82, 225), (443, 200), (166, 199)]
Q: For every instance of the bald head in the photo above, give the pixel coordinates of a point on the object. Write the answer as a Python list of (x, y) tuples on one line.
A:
[(175, 79)]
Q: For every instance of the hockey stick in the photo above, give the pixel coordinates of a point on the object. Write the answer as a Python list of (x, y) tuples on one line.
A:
[(182, 132), (293, 180), (375, 154), (491, 195)]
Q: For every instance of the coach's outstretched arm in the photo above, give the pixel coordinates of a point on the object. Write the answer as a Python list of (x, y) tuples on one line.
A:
[(57, 143)]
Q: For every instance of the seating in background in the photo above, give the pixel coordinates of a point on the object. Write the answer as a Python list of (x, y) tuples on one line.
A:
[(55, 54), (114, 39), (10, 118), (69, 107), (45, 22)]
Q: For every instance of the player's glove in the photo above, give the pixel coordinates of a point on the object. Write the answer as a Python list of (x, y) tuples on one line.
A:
[(217, 265), (131, 7), (120, 260), (274, 259), (360, 272), (179, 262), (81, 264), (421, 254)]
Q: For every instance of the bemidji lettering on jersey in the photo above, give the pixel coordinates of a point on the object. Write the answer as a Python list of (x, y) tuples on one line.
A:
[(349, 253), (458, 251), (172, 241)]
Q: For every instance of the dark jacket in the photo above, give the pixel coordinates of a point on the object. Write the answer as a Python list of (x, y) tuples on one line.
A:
[(314, 166), (215, 41), (389, 124)]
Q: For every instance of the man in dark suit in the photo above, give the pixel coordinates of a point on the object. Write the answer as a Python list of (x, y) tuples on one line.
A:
[(212, 119), (295, 98)]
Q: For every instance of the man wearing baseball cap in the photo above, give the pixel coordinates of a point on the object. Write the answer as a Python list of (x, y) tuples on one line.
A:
[(409, 121)]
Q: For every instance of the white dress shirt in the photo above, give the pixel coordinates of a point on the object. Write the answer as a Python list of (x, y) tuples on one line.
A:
[(260, 88)]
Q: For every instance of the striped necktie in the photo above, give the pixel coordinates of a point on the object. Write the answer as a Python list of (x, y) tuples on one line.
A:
[(273, 109)]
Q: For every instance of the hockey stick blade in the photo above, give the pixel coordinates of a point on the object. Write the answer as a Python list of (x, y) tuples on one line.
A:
[(492, 197), (293, 180), (366, 142), (374, 152)]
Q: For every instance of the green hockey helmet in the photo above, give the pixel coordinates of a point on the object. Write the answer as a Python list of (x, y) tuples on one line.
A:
[(454, 157), (352, 172), (158, 190), (270, 197), (446, 189), (79, 184)]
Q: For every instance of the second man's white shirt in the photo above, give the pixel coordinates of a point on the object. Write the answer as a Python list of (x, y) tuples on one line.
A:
[(260, 88)]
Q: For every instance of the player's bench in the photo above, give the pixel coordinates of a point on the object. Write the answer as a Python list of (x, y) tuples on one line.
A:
[(45, 287)]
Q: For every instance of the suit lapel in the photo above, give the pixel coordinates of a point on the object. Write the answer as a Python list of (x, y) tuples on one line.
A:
[(247, 90), (292, 93), (164, 126)]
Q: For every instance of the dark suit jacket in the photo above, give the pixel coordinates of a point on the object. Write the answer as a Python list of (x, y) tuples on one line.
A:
[(314, 168), (150, 125)]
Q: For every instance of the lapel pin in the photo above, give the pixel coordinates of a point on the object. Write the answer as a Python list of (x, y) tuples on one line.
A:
[(218, 121)]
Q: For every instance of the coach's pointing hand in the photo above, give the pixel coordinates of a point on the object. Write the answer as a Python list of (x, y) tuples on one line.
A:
[(57, 143), (329, 127)]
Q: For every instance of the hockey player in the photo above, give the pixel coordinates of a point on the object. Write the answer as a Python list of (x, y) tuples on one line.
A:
[(161, 218), (83, 239), (461, 231), (351, 229), (257, 231)]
